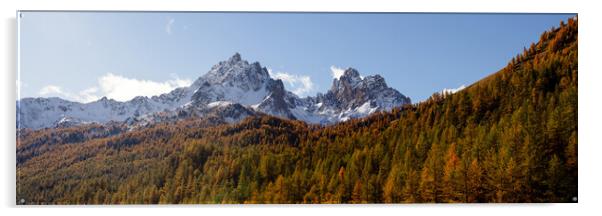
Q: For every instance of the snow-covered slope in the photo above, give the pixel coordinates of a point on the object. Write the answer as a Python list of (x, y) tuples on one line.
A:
[(237, 81), (50, 112), (230, 91), (350, 96)]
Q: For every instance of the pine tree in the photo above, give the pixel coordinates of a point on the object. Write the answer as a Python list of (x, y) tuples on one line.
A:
[(432, 176)]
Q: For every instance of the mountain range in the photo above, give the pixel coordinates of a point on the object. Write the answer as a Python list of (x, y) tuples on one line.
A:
[(511, 137), (230, 91)]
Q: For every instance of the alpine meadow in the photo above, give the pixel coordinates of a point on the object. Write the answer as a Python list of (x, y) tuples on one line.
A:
[(237, 136)]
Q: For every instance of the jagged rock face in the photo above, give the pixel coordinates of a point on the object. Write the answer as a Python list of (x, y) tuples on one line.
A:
[(236, 72), (352, 96), (233, 80), (345, 91), (237, 81), (230, 91), (351, 90), (275, 103)]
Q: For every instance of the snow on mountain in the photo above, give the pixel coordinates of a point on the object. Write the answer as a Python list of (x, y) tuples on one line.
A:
[(233, 80), (230, 91), (350, 96)]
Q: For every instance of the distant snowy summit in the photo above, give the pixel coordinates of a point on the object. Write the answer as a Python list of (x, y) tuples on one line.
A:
[(229, 92)]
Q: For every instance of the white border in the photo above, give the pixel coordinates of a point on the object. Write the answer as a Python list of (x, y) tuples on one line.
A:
[(589, 101)]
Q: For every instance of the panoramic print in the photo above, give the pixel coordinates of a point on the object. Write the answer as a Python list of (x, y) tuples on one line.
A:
[(295, 108)]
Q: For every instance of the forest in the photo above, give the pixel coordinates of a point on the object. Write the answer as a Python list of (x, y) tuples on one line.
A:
[(510, 137)]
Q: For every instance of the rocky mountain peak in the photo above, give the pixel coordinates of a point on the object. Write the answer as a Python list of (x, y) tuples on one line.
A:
[(233, 80), (235, 58), (351, 91), (351, 73), (350, 78), (231, 89), (236, 71)]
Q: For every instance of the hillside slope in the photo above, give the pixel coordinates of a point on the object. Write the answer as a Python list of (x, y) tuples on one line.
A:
[(511, 137)]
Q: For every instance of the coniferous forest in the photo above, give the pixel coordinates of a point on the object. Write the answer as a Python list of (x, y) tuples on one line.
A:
[(510, 137)]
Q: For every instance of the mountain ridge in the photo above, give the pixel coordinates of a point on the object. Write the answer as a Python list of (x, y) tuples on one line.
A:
[(229, 82)]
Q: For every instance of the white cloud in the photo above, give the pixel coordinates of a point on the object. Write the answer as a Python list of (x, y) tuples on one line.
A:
[(50, 89), (169, 24), (336, 71), (454, 90), (300, 85), (122, 88), (86, 95), (118, 88)]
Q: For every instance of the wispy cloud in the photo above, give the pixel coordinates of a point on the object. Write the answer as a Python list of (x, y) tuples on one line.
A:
[(84, 96), (336, 71), (169, 25), (117, 87), (301, 85), (453, 90), (50, 89)]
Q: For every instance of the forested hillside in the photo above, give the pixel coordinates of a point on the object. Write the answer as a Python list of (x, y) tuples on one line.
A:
[(511, 137)]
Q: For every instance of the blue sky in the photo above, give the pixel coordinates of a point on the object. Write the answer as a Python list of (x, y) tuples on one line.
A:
[(86, 55)]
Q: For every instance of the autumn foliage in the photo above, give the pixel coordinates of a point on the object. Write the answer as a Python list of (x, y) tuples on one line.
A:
[(511, 137)]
